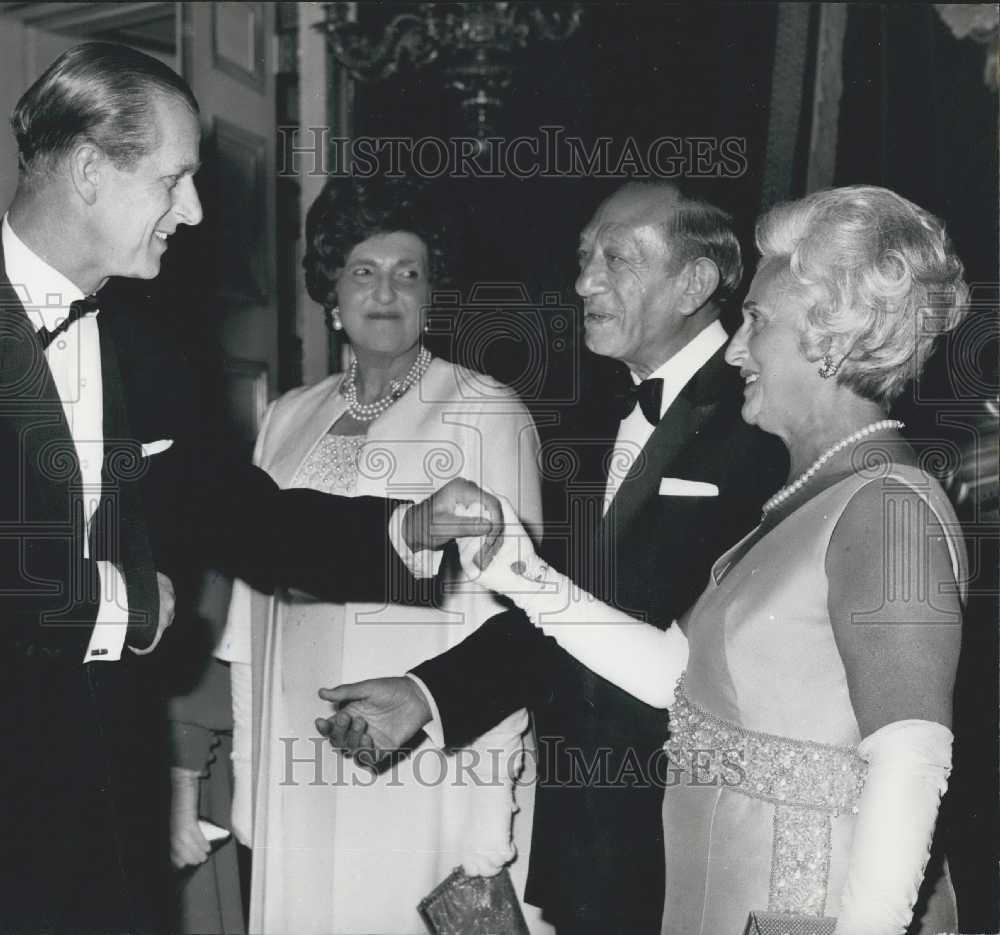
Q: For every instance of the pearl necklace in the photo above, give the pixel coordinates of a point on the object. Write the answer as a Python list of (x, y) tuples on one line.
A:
[(796, 485), (369, 412)]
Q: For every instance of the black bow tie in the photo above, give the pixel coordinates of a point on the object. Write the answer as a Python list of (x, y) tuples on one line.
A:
[(648, 395), (77, 310)]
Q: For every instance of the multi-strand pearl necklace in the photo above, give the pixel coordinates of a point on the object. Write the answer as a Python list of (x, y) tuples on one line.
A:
[(796, 485), (368, 412)]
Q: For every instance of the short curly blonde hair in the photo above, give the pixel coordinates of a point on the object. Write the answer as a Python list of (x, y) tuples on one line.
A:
[(892, 282)]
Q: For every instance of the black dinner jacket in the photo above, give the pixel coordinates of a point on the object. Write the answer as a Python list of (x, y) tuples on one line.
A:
[(49, 593), (597, 847), (81, 796)]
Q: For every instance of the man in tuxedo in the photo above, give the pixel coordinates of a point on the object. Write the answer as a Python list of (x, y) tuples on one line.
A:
[(108, 144), (686, 480)]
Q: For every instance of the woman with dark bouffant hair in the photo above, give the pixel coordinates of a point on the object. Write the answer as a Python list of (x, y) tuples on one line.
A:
[(336, 849)]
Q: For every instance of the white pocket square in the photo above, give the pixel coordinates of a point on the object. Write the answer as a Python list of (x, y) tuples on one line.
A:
[(154, 448), (678, 487)]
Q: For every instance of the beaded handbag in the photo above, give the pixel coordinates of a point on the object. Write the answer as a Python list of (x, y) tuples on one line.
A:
[(785, 923), (462, 905)]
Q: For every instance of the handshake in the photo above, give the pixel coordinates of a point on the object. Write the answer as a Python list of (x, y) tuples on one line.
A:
[(459, 510)]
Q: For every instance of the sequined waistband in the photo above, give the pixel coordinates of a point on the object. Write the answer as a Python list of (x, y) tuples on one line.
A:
[(801, 773)]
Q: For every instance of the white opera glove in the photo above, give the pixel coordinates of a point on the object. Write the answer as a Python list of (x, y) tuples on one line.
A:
[(637, 657), (242, 756), (491, 767), (908, 767)]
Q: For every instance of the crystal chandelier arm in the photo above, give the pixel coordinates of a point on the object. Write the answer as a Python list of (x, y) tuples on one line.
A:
[(555, 25), (404, 38)]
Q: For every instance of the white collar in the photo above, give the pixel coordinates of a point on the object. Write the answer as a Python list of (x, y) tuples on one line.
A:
[(44, 292), (679, 369)]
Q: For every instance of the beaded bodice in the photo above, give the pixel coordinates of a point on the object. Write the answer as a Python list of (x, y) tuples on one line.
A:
[(332, 465)]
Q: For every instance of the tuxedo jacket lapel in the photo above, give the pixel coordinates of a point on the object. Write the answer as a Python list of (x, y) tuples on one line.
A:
[(114, 416), (647, 469), (30, 405), (118, 531), (122, 456), (682, 421)]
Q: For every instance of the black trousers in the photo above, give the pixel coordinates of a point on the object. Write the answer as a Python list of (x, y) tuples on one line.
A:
[(83, 799)]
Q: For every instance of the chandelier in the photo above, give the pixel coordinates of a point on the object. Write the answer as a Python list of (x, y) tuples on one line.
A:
[(473, 46)]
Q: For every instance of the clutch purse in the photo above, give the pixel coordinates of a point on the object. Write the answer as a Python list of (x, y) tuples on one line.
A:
[(785, 923), (463, 905)]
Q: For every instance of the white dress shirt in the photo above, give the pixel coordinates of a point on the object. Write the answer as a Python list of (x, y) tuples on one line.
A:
[(74, 358), (635, 429)]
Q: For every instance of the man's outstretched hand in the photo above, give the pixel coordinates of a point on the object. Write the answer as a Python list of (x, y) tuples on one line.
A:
[(374, 717), (458, 510)]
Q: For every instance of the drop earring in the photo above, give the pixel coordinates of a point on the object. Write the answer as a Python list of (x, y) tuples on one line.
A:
[(827, 367)]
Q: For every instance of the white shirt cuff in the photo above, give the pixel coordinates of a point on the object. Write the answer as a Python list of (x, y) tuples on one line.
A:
[(433, 729), (422, 564), (111, 626)]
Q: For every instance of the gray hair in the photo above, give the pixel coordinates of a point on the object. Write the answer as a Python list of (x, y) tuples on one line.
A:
[(697, 228), (891, 281)]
